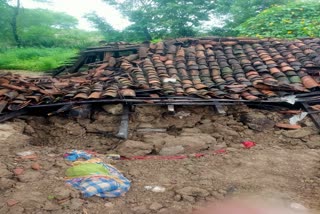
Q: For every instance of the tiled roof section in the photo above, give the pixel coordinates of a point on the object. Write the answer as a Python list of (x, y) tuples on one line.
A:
[(248, 69)]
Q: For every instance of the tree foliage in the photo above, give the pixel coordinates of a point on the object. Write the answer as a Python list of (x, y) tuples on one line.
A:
[(153, 19), (288, 21), (235, 12), (241, 10), (41, 27)]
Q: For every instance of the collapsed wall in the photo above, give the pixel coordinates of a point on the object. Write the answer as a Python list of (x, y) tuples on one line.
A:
[(155, 131)]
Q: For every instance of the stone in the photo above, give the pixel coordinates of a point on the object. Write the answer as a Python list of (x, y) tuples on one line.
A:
[(205, 121), (164, 211), (145, 118), (4, 172), (189, 131), (30, 198), (190, 143), (140, 210), (313, 145), (50, 206), (225, 130), (35, 166), (16, 210), (30, 176), (6, 131), (257, 121), (155, 206), (177, 197), (75, 203), (18, 171), (299, 133), (61, 193), (217, 195), (29, 130), (109, 205), (6, 183), (193, 191), (25, 153), (115, 109), (173, 150), (298, 207), (189, 198), (29, 157), (131, 148), (11, 202)]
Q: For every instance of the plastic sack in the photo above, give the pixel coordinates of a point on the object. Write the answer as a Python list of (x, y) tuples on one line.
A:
[(87, 169), (93, 177)]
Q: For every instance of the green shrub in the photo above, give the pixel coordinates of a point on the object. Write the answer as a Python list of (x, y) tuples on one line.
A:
[(289, 21), (34, 59)]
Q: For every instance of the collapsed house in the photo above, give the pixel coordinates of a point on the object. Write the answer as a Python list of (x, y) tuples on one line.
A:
[(202, 71)]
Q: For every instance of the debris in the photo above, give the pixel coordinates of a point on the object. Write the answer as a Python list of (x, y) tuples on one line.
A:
[(95, 178), (296, 118), (166, 80), (173, 150), (116, 109), (36, 166), (30, 176), (50, 206), (12, 202), (6, 183), (155, 206), (75, 203), (109, 205), (298, 207), (124, 124), (29, 157), (76, 154), (193, 191), (4, 172), (289, 99), (131, 148), (174, 157), (155, 188), (315, 107), (299, 133), (182, 114), (62, 193), (25, 153), (257, 121), (248, 144), (152, 130), (290, 112), (113, 156), (287, 126), (18, 171)]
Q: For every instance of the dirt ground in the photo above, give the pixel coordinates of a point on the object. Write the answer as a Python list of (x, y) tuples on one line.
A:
[(283, 168)]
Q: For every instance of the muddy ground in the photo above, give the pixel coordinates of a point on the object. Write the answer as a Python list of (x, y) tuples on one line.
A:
[(283, 167)]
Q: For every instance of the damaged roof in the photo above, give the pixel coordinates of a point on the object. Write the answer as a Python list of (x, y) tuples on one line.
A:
[(231, 68)]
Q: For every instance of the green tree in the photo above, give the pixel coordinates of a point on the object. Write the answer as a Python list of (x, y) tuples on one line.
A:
[(33, 27), (153, 19), (289, 21), (235, 12), (40, 27), (108, 32)]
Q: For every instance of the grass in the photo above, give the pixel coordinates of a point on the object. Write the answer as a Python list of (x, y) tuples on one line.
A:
[(34, 59)]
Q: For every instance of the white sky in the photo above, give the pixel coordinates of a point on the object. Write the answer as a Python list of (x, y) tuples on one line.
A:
[(78, 8)]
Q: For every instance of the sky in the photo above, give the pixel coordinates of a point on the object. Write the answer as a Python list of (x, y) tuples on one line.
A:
[(78, 8)]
